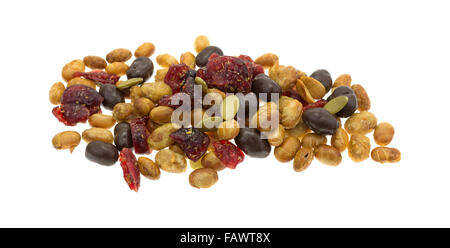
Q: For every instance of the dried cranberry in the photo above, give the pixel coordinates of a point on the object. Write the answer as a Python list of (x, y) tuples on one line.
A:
[(130, 169), (176, 76), (318, 104), (226, 73), (294, 94), (99, 77), (78, 102), (228, 153), (192, 141), (139, 135), (253, 69)]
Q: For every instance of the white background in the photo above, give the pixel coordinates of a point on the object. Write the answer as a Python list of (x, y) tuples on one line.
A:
[(398, 50)]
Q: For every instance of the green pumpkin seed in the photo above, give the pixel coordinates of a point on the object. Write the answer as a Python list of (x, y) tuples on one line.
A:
[(209, 124), (129, 83), (200, 81), (336, 104), (229, 107)]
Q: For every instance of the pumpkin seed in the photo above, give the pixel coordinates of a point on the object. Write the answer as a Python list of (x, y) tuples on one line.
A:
[(129, 83), (336, 105), (196, 165), (229, 107), (200, 81), (315, 88), (209, 123)]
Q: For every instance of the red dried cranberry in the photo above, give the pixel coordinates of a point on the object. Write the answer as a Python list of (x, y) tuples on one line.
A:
[(253, 69), (176, 75), (78, 102), (139, 135), (192, 141), (228, 153), (226, 73), (130, 169), (99, 77), (294, 94), (318, 104)]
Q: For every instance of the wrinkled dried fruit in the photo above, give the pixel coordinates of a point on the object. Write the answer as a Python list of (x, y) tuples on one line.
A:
[(139, 134), (192, 141), (78, 102), (228, 153), (384, 133), (99, 77), (66, 140), (386, 155), (253, 69), (130, 169), (226, 73), (176, 76), (203, 178), (318, 104)]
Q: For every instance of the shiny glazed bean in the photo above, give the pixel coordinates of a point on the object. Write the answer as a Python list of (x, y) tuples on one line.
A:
[(111, 96), (202, 58), (324, 77), (122, 136), (101, 121), (141, 67), (249, 140), (320, 121), (264, 84), (102, 153), (95, 134), (352, 103)]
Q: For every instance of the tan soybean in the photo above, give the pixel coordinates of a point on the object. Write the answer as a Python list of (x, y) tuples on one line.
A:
[(303, 159), (267, 60), (148, 168), (94, 62), (82, 81), (161, 114), (200, 43), (143, 106), (56, 92), (145, 50), (287, 150), (313, 140), (210, 160), (290, 111), (285, 76), (361, 123), (118, 55), (276, 136), (66, 140), (159, 138), (170, 161), (117, 68), (189, 59), (123, 111), (362, 97), (315, 88), (203, 178), (155, 91), (386, 155), (101, 121), (342, 80), (97, 134), (161, 74), (384, 133), (228, 130), (166, 60), (70, 68), (328, 155), (358, 147), (340, 139)]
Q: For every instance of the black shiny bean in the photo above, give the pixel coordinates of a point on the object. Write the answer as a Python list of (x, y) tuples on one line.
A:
[(141, 67), (352, 104), (202, 58), (111, 96), (122, 136), (102, 153), (320, 121), (249, 140), (324, 77), (264, 84)]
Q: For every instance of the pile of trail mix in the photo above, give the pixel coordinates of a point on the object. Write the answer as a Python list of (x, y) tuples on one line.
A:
[(196, 106)]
